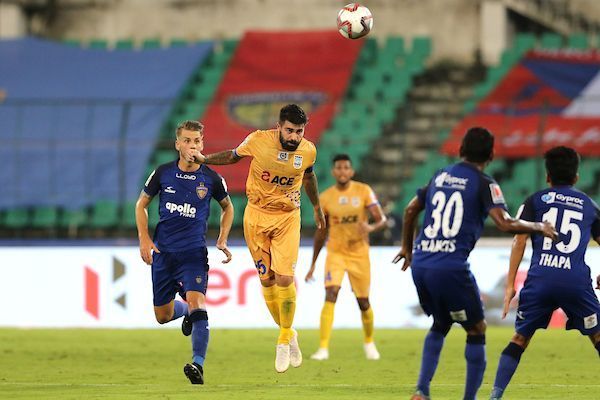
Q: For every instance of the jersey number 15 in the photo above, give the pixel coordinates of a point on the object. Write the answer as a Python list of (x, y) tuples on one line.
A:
[(566, 226)]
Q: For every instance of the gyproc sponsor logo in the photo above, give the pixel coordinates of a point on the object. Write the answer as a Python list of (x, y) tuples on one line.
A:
[(445, 179), (553, 197), (186, 176), (185, 210)]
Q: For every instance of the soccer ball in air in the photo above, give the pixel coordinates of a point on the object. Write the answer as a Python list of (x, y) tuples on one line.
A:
[(354, 21)]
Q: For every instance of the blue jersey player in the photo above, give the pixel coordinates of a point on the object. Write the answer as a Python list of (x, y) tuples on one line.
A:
[(178, 253), (558, 275), (456, 202)]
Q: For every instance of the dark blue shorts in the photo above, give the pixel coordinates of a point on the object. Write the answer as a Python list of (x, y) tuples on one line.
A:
[(450, 296), (178, 272), (538, 300)]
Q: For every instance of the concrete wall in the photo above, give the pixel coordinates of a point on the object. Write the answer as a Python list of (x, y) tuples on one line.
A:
[(454, 25)]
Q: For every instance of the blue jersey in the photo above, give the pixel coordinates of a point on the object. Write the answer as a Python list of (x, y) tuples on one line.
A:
[(577, 219), (457, 201), (184, 205)]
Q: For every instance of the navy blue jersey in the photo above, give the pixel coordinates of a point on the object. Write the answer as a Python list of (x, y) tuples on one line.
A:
[(576, 217), (184, 205), (457, 201)]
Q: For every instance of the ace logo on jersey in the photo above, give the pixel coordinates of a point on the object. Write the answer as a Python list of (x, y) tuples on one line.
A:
[(201, 190)]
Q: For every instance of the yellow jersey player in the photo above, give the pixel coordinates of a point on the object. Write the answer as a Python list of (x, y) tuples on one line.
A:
[(347, 206), (282, 162)]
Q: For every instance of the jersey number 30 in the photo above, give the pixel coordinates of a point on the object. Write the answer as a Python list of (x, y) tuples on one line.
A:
[(566, 227), (447, 215)]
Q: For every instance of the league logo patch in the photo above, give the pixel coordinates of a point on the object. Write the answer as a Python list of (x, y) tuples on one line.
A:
[(201, 190), (355, 202), (198, 279), (343, 200), (590, 322), (283, 156), (549, 197), (497, 196), (458, 316), (297, 162)]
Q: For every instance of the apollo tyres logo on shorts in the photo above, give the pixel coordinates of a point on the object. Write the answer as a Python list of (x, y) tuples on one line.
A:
[(184, 210)]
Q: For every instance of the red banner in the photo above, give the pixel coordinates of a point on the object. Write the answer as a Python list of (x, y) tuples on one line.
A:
[(518, 136), (269, 70)]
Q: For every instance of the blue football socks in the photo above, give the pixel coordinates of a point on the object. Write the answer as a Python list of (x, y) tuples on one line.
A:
[(180, 309), (476, 362), (200, 335), (509, 361), (434, 341)]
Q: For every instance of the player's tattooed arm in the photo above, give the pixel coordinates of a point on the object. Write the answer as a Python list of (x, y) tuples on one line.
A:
[(220, 158), (411, 212), (311, 187)]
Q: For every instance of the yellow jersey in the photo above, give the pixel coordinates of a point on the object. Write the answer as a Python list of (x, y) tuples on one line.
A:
[(345, 210), (275, 175)]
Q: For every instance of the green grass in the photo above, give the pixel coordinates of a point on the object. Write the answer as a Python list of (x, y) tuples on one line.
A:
[(147, 364)]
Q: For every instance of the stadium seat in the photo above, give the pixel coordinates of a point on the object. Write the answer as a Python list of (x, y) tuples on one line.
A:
[(124, 44), (73, 218), (551, 41), (578, 41), (16, 218), (148, 44), (177, 42), (72, 42), (163, 156), (421, 46), (100, 44), (524, 42), (153, 216), (45, 217), (128, 214), (105, 214), (239, 205)]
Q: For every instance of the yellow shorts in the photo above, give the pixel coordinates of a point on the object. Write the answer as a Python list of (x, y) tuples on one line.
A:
[(273, 240), (358, 269)]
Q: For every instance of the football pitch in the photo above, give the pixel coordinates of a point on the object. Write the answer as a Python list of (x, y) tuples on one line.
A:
[(147, 364)]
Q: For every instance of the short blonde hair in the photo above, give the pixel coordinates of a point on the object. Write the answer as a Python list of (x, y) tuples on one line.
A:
[(189, 125)]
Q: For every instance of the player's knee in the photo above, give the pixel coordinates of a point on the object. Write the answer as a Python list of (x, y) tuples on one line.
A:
[(520, 340), (163, 318), (331, 294), (477, 329), (363, 303), (284, 280), (440, 327)]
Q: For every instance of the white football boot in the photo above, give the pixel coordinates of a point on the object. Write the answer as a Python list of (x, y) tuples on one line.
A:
[(295, 353), (321, 354), (282, 358), (371, 351)]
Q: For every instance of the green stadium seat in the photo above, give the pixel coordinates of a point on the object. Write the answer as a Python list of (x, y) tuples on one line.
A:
[(124, 44), (164, 156), (239, 205), (524, 42), (229, 45), (16, 218), (395, 45), (204, 92), (178, 42), (551, 41), (73, 218), (469, 106), (153, 216), (44, 217), (421, 46), (578, 41), (99, 44), (148, 44), (212, 76), (105, 214), (128, 214), (215, 215)]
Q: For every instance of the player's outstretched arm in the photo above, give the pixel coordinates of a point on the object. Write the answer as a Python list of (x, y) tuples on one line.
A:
[(506, 223), (516, 256), (225, 227), (141, 221), (411, 212), (220, 158), (311, 187), (318, 243)]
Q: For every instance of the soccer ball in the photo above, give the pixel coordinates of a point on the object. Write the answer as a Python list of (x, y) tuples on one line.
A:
[(354, 21)]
